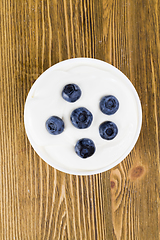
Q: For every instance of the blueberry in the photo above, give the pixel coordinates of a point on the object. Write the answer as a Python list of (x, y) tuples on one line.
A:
[(71, 92), (55, 125), (108, 130), (85, 148), (109, 105), (81, 118)]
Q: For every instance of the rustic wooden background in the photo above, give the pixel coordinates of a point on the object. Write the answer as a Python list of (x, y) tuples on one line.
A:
[(37, 201)]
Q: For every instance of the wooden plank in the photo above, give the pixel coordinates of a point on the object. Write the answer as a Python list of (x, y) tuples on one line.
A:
[(37, 201), (134, 41)]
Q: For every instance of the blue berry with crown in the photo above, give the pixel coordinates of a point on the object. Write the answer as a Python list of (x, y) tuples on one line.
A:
[(85, 148), (109, 105), (108, 130), (55, 125), (71, 93), (81, 118)]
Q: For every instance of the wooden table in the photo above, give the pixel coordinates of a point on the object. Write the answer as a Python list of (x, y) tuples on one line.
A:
[(37, 201)]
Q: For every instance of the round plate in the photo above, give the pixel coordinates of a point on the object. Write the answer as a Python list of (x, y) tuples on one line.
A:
[(96, 79)]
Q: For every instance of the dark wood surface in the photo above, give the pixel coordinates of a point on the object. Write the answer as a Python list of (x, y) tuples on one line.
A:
[(37, 201)]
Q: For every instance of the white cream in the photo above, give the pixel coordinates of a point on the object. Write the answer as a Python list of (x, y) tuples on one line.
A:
[(95, 79)]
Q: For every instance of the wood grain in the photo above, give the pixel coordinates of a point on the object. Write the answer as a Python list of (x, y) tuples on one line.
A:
[(37, 201)]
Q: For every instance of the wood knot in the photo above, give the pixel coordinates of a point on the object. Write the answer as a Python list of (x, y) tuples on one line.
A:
[(136, 172), (112, 184)]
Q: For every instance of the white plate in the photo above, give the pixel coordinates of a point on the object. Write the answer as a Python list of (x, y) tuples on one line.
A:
[(96, 79)]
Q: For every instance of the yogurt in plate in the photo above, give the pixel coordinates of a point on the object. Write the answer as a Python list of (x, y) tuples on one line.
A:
[(96, 79)]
